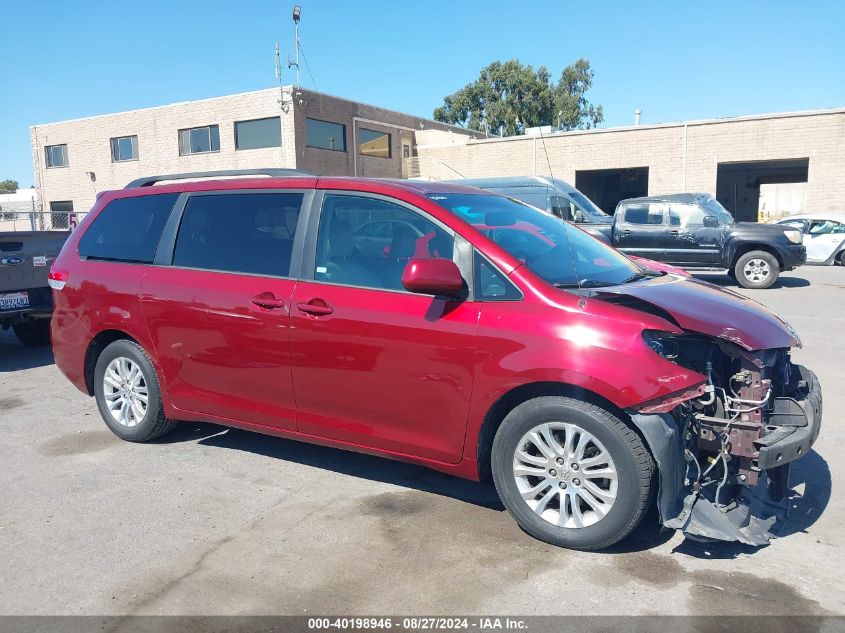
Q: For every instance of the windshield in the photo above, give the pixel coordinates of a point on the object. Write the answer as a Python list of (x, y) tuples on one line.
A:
[(554, 250), (715, 208), (586, 204)]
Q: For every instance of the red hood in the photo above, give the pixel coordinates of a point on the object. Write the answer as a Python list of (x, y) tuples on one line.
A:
[(702, 307)]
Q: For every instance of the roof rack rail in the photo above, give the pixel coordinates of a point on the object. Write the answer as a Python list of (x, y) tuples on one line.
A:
[(272, 172)]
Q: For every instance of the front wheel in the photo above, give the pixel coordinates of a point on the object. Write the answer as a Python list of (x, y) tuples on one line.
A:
[(756, 269), (572, 474)]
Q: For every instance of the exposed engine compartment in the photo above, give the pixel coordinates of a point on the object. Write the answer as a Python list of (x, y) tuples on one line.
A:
[(757, 413)]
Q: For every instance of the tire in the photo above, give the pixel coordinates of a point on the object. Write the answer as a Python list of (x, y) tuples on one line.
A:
[(841, 258), (756, 269), (124, 360), (610, 437), (33, 332)]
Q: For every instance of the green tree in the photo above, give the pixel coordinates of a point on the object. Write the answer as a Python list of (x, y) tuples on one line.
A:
[(8, 186), (512, 96)]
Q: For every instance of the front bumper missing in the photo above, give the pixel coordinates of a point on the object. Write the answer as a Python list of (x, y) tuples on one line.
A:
[(756, 513)]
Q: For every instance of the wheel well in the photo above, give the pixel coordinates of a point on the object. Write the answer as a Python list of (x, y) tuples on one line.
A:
[(95, 348), (747, 248), (513, 398)]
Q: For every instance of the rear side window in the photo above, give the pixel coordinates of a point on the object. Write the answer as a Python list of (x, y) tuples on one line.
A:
[(248, 233), (128, 229), (644, 214)]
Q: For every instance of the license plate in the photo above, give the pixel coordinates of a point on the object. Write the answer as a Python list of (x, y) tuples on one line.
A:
[(14, 300)]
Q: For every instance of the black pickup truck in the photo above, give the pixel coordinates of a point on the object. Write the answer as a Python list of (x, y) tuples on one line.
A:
[(694, 231), (26, 302)]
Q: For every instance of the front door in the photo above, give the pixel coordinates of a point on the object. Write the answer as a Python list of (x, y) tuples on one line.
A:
[(642, 230), (373, 364), (689, 242), (823, 239), (220, 315)]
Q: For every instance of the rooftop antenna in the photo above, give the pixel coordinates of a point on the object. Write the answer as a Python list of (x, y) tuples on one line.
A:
[(279, 79), (637, 114), (297, 12)]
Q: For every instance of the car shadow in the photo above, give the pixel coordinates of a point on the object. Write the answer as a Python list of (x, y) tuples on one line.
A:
[(340, 461), (803, 510), (727, 281), (14, 356), (648, 535)]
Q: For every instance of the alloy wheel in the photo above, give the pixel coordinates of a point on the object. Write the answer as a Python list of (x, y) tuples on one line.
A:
[(565, 475), (756, 270), (125, 391)]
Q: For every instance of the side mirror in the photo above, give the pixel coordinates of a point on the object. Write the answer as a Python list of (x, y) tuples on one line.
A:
[(433, 277), (710, 222), (579, 216)]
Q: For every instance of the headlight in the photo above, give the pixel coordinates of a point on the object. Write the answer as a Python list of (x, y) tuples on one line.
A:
[(793, 236)]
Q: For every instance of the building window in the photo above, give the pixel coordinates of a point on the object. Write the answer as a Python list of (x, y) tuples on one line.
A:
[(258, 133), (60, 211), (373, 143), (124, 148), (56, 155), (325, 135), (199, 140)]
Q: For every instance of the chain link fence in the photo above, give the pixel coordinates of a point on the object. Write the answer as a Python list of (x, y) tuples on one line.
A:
[(12, 219)]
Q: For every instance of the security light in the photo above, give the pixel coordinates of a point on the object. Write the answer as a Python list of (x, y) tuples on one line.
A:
[(297, 11)]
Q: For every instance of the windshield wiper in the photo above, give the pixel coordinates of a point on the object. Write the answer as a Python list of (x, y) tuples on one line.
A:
[(585, 283), (644, 274)]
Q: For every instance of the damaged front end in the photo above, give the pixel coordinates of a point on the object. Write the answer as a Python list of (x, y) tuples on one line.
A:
[(724, 451)]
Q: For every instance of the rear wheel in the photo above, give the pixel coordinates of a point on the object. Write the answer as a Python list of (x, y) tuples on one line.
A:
[(756, 269), (570, 473), (841, 258), (33, 332), (128, 394)]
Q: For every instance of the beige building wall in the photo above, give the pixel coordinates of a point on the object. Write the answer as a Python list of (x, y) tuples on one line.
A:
[(89, 148), (681, 157), (157, 129)]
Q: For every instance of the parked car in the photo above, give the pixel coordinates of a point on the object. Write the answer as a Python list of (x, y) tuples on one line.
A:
[(549, 194), (694, 231), (25, 299), (495, 341), (824, 236)]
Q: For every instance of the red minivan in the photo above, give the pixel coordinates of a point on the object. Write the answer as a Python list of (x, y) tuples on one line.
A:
[(441, 325)]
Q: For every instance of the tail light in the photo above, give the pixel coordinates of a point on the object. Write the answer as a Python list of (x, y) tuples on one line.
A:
[(57, 279)]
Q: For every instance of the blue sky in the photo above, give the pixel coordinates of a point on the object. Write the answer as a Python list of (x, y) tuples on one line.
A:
[(676, 60)]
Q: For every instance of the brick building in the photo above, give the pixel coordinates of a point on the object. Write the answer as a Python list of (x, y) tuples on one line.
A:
[(737, 159), (277, 127)]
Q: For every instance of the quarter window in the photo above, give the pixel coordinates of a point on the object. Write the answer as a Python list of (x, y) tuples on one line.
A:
[(325, 135), (491, 284), (124, 148), (128, 229), (56, 155), (373, 143), (248, 233), (258, 133), (368, 242), (199, 140)]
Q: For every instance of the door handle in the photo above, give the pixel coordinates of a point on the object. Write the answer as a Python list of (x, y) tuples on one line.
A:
[(674, 232), (315, 307), (267, 300), (626, 232)]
